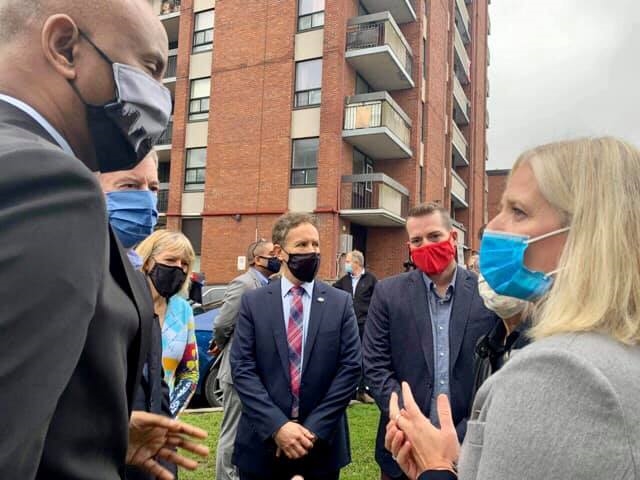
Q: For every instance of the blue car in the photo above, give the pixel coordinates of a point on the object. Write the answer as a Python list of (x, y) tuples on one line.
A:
[(208, 388)]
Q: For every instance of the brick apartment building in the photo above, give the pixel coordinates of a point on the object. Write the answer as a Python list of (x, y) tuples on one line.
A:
[(353, 110)]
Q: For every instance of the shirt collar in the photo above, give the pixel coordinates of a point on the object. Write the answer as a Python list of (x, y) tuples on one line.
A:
[(286, 286), (43, 122), (452, 284), (264, 280), (359, 276)]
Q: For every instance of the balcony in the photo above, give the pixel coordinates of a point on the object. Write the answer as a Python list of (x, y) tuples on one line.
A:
[(377, 126), (463, 22), (458, 191), (462, 62), (170, 18), (460, 148), (373, 200), (403, 11), (462, 233), (378, 51), (461, 106), (165, 138)]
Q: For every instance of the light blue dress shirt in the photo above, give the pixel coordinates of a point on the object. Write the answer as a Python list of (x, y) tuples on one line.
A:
[(355, 280), (285, 287), (440, 312), (19, 104)]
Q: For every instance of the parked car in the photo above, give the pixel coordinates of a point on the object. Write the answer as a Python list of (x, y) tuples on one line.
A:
[(208, 390)]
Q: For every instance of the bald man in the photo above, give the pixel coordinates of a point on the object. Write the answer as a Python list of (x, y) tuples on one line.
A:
[(80, 92)]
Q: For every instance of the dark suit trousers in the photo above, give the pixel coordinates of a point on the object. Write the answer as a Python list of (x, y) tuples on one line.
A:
[(285, 469)]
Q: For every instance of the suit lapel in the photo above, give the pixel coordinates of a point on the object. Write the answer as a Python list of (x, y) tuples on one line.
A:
[(315, 320), (256, 281), (277, 324), (125, 275), (421, 316), (465, 287)]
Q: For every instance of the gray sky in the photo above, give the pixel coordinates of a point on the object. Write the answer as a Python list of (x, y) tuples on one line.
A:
[(560, 69)]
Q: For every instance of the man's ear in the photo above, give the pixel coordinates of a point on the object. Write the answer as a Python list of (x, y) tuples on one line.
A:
[(277, 251), (454, 237), (60, 37)]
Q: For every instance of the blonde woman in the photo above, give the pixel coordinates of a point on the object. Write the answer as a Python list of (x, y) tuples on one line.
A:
[(568, 235), (167, 261)]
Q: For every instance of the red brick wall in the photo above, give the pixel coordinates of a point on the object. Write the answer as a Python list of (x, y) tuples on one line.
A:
[(497, 184)]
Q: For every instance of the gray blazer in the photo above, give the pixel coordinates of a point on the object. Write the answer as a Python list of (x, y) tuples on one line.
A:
[(563, 407), (226, 322)]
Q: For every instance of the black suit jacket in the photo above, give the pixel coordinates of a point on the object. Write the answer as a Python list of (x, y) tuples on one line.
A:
[(260, 369), (72, 347), (398, 346), (363, 293)]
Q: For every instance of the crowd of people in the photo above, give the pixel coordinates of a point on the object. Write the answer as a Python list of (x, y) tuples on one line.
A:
[(523, 366)]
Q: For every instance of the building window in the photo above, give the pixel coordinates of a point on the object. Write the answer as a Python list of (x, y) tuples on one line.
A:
[(304, 167), (310, 14), (308, 83), (192, 229), (203, 31), (195, 169), (169, 6), (199, 99)]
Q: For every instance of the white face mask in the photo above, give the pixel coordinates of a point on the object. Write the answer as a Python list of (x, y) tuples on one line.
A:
[(503, 306)]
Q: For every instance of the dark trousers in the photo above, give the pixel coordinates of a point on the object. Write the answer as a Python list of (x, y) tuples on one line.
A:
[(362, 388), (286, 469), (384, 476)]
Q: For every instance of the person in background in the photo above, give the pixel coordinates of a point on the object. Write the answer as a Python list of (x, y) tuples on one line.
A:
[(295, 362), (423, 327), (567, 405), (262, 264), (359, 283), (132, 203), (167, 260)]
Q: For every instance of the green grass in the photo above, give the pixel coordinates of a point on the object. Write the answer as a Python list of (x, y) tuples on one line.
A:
[(363, 421)]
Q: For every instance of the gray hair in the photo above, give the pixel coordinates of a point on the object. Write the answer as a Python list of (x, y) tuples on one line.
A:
[(286, 223), (358, 257)]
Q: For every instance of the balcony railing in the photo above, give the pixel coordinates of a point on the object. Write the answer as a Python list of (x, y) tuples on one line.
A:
[(462, 55), (379, 34), (374, 114), (163, 200), (166, 137), (374, 199), (462, 20), (169, 6), (172, 65), (460, 147), (458, 191), (462, 112)]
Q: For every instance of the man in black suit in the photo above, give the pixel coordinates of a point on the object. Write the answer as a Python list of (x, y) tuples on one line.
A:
[(295, 362), (423, 327), (359, 283), (73, 350)]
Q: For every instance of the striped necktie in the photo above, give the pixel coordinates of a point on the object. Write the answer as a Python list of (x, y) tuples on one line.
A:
[(294, 337)]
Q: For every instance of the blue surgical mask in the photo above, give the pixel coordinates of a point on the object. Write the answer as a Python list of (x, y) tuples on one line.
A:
[(502, 265), (348, 268), (132, 214)]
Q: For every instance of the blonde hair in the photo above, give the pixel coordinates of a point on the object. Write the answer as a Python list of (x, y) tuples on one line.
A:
[(162, 241), (595, 186)]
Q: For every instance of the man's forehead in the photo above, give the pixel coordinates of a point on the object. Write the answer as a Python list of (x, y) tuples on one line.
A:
[(426, 224)]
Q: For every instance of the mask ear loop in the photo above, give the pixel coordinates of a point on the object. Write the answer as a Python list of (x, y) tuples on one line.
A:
[(547, 235)]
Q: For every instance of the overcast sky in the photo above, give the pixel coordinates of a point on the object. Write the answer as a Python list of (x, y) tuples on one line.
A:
[(559, 69)]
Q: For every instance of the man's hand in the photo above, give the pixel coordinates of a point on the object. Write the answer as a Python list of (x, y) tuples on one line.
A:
[(415, 441), (294, 440), (152, 436), (214, 349)]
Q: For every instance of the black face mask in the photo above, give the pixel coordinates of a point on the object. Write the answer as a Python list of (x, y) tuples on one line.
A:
[(166, 279), (303, 266), (125, 130), (273, 264)]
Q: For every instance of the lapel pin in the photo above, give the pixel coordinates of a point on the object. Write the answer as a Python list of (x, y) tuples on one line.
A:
[(320, 299)]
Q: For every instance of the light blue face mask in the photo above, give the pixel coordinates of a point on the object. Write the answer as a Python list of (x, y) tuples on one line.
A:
[(348, 268), (132, 214), (502, 265)]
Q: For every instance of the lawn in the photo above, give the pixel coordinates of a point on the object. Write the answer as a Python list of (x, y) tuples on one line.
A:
[(363, 421)]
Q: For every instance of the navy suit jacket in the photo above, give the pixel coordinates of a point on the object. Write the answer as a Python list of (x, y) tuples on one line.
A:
[(260, 368), (398, 346)]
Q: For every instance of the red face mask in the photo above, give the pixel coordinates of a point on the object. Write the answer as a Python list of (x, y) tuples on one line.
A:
[(433, 258)]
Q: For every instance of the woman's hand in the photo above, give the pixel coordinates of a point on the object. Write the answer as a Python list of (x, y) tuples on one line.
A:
[(417, 445)]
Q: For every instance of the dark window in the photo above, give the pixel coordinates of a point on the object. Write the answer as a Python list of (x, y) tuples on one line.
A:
[(199, 99), (203, 31), (192, 229), (310, 14), (308, 83), (195, 169), (304, 166)]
